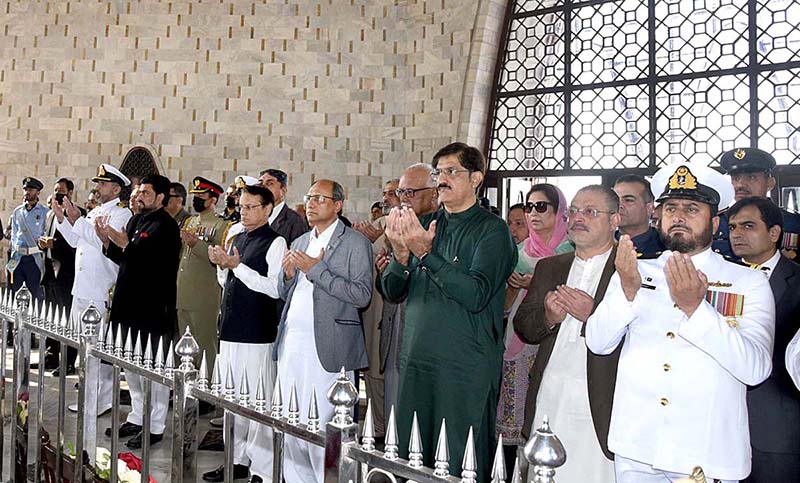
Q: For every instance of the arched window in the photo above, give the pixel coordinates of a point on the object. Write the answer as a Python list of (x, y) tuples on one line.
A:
[(138, 163), (595, 87)]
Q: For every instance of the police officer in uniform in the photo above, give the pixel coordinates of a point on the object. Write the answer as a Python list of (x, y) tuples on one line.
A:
[(94, 273), (26, 264), (751, 175), (198, 291), (696, 331)]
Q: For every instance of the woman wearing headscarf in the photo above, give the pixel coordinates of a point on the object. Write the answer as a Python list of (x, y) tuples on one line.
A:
[(546, 212)]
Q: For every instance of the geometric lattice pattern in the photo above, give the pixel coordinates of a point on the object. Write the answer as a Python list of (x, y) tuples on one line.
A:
[(535, 54), (609, 42), (532, 133), (702, 35), (703, 93), (610, 128), (778, 31), (700, 118), (779, 114)]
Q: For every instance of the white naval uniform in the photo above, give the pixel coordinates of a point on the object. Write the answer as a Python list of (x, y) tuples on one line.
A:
[(252, 442), (95, 274), (299, 364), (680, 397), (564, 392), (793, 359)]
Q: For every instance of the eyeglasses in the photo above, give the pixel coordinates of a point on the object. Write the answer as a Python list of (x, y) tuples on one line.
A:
[(251, 207), (539, 206), (318, 199), (449, 172), (410, 192), (588, 212)]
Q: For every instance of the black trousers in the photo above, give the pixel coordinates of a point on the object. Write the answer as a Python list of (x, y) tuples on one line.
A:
[(774, 468)]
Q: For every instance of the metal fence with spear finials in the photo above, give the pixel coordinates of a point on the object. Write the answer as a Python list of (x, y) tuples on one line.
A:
[(348, 458)]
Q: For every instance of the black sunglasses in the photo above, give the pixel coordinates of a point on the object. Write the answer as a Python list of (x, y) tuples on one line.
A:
[(539, 206)]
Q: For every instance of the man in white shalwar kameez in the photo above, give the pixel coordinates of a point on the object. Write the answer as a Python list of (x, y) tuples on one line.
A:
[(558, 316), (327, 278)]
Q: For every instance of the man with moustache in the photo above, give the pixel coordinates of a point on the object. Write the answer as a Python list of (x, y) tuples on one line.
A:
[(326, 280), (635, 212), (751, 172), (695, 332), (570, 385), (177, 203), (26, 263), (451, 267), (283, 219), (95, 274), (148, 253), (774, 405)]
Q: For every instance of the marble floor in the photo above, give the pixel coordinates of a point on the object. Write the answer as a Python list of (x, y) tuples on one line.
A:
[(161, 457), (160, 461)]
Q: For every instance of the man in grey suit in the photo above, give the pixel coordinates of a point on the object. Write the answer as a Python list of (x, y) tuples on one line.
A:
[(327, 278)]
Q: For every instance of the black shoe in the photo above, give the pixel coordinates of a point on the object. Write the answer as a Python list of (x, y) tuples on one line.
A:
[(136, 441), (215, 476), (255, 479), (206, 408), (127, 429), (70, 371)]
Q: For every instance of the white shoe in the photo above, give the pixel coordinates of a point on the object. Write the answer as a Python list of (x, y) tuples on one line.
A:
[(74, 408)]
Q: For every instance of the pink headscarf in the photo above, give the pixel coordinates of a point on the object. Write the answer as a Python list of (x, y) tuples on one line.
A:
[(534, 246)]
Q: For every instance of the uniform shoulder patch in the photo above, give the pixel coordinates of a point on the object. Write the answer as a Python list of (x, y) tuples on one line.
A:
[(736, 260), (648, 256)]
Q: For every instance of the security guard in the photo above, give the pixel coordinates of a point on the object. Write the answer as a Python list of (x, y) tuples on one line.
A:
[(198, 291), (696, 331), (751, 175), (94, 273), (27, 225)]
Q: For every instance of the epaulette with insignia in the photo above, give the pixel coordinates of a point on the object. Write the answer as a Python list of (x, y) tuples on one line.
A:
[(648, 256), (122, 204), (735, 260)]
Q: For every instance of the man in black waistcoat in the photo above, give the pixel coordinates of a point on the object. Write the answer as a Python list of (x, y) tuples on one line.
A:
[(756, 228), (147, 253), (249, 324)]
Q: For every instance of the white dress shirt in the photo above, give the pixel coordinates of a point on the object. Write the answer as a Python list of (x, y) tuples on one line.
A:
[(275, 212), (255, 281), (680, 397), (564, 396)]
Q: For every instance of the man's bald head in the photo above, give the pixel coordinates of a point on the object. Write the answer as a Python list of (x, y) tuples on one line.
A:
[(418, 190)]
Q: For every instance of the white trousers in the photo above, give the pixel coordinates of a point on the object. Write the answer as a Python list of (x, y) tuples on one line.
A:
[(252, 443), (159, 401), (630, 471), (104, 392), (298, 363)]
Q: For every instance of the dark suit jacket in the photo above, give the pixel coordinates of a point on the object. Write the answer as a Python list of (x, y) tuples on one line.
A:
[(289, 225), (774, 405), (532, 327)]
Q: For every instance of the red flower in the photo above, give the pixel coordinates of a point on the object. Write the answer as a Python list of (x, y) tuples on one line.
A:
[(143, 234), (131, 460)]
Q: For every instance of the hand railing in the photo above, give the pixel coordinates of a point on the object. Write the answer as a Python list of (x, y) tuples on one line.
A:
[(351, 455)]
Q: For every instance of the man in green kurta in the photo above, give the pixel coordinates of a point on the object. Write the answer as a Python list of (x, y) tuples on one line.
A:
[(198, 290), (451, 267)]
